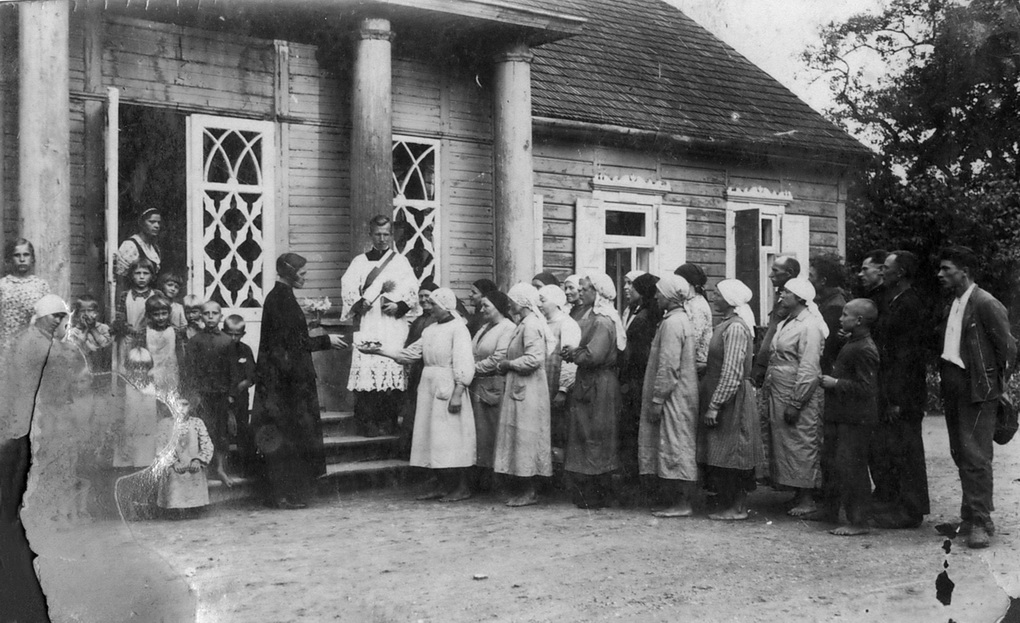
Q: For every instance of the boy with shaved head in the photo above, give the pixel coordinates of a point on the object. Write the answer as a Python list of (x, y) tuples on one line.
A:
[(206, 372), (851, 411)]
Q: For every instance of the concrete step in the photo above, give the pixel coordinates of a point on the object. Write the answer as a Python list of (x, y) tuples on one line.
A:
[(336, 423), (338, 477)]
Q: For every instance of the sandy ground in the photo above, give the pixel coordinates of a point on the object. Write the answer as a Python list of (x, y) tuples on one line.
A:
[(379, 556)]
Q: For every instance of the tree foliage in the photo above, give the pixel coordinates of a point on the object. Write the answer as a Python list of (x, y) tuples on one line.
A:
[(935, 86)]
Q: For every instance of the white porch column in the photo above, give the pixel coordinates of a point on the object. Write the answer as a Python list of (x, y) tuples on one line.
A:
[(371, 128), (512, 179), (45, 138)]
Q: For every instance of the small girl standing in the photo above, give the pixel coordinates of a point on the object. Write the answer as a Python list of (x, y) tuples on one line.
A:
[(137, 447), (164, 342), (185, 452), (171, 284), (90, 335)]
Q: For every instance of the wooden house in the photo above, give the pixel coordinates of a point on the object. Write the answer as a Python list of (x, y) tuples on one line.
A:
[(506, 136)]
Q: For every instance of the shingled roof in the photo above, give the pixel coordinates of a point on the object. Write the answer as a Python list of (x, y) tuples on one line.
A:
[(643, 64)]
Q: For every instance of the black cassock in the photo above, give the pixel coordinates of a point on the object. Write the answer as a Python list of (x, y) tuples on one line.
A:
[(285, 416)]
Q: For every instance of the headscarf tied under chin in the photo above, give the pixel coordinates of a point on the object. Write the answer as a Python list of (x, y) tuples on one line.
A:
[(735, 293), (526, 295), (605, 294), (445, 299), (803, 289)]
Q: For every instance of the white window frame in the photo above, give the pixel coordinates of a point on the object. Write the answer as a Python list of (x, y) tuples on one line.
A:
[(435, 203)]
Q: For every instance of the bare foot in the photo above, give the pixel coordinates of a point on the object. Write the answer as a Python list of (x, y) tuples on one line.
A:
[(805, 507), (434, 494), (849, 530), (677, 510), (456, 495), (729, 515), (528, 499), (226, 480)]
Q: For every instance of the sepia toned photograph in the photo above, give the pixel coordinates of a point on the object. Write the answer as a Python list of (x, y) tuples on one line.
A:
[(451, 311)]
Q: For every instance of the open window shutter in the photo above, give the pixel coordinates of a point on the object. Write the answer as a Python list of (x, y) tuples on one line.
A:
[(671, 245), (589, 237), (796, 239), (747, 257)]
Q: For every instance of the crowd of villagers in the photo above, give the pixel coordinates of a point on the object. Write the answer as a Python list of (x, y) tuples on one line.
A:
[(654, 407)]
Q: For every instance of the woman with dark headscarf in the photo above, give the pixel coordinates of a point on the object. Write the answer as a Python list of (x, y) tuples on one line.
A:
[(288, 428), (544, 278), (699, 310), (641, 325), (490, 346), (478, 290)]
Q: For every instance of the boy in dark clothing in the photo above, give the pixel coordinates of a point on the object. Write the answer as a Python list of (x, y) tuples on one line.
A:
[(242, 377), (207, 373), (851, 411)]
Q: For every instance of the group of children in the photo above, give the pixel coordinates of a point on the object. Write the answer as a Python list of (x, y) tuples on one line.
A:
[(187, 374)]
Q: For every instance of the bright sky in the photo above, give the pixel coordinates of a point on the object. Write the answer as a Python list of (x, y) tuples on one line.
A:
[(773, 33)]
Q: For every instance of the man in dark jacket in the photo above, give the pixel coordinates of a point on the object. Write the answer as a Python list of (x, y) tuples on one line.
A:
[(897, 465), (977, 351)]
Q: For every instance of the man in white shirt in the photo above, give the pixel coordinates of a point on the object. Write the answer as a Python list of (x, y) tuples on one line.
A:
[(977, 354)]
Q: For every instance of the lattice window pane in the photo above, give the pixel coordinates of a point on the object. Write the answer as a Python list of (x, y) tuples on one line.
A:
[(415, 204)]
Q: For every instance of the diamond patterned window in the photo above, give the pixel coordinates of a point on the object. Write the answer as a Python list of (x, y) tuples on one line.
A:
[(233, 192), (415, 203)]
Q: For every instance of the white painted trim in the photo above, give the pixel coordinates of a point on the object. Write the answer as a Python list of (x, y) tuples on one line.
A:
[(759, 195), (629, 184), (112, 193)]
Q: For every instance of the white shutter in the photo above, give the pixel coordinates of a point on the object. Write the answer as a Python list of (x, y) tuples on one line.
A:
[(796, 238), (589, 237), (671, 243)]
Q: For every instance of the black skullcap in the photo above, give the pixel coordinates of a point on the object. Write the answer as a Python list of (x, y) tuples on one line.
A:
[(485, 285), (500, 301), (645, 285), (547, 278), (429, 286)]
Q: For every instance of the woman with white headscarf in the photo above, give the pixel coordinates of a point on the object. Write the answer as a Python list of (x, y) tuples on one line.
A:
[(572, 290), (792, 395), (729, 446), (444, 423), (523, 447), (667, 438), (592, 435), (560, 374)]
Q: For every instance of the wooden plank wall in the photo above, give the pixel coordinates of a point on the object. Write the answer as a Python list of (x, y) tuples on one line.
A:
[(8, 123), (563, 172)]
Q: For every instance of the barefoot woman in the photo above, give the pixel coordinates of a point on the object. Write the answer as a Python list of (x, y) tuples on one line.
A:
[(793, 398), (730, 445)]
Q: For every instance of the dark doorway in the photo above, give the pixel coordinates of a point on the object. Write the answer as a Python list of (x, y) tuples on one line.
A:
[(153, 173)]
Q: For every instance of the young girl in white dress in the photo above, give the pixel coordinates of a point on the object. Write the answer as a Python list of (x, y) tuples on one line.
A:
[(185, 451)]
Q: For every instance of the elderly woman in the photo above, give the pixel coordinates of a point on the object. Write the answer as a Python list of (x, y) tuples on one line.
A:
[(144, 244), (523, 440), (19, 291), (444, 423), (641, 327), (699, 309), (490, 345), (592, 442), (669, 403), (572, 290), (793, 398), (479, 289), (285, 417), (730, 443), (566, 334)]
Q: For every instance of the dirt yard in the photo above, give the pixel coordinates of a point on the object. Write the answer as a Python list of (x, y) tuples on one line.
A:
[(379, 556)]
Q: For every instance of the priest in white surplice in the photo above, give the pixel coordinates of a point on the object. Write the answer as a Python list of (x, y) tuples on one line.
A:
[(379, 289)]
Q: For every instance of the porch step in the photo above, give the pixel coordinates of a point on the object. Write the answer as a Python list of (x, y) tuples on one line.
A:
[(335, 423), (338, 477)]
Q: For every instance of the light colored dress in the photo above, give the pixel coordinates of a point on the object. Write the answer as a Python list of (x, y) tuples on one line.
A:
[(792, 378), (18, 296), (595, 400), (559, 373), (668, 448), (490, 344), (137, 447), (127, 254), (523, 443), (700, 312), (189, 441), (370, 373), (162, 345), (442, 439), (735, 441)]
